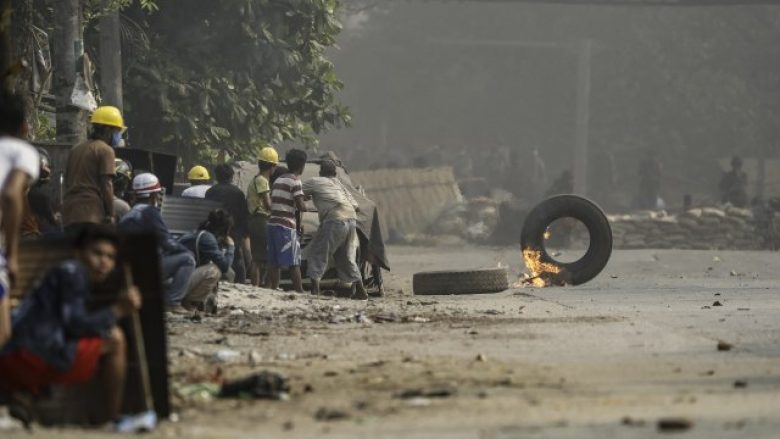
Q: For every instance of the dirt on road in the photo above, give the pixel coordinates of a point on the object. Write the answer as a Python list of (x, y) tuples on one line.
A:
[(608, 359)]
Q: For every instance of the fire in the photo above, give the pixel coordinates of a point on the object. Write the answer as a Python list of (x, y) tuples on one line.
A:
[(542, 274)]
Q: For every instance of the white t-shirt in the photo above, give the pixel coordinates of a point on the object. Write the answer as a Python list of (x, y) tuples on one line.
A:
[(15, 154), (197, 191)]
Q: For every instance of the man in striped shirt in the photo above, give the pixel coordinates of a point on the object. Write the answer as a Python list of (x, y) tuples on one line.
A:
[(284, 249)]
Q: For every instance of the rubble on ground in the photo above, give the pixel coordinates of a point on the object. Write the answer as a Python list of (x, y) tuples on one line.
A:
[(707, 228)]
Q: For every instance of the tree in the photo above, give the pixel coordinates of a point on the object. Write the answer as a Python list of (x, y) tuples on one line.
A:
[(232, 75)]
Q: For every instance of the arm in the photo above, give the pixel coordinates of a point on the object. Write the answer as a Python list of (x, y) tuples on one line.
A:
[(300, 203), (210, 251), (13, 209), (266, 200), (107, 173), (107, 189)]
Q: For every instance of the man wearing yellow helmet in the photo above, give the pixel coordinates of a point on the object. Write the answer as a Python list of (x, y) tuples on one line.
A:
[(89, 192), (258, 196), (199, 182)]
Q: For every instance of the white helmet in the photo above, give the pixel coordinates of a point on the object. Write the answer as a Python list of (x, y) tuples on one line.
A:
[(146, 184)]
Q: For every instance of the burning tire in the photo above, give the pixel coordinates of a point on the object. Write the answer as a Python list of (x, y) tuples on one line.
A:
[(567, 206), (461, 282)]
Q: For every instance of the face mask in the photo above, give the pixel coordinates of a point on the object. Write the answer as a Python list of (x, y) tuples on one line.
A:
[(116, 139)]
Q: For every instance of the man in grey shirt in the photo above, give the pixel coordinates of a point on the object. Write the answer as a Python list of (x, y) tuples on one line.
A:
[(337, 234)]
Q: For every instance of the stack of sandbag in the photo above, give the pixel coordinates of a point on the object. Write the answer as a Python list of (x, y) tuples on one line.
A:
[(700, 228)]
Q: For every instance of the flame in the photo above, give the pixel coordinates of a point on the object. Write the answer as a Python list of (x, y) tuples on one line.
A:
[(542, 274)]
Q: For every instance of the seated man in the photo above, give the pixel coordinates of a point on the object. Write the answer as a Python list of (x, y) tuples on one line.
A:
[(145, 217), (214, 250), (56, 340)]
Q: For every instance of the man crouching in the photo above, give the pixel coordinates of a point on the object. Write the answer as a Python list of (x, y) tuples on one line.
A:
[(56, 340)]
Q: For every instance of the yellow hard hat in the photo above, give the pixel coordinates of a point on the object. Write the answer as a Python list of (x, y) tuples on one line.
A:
[(110, 116), (269, 155), (198, 173)]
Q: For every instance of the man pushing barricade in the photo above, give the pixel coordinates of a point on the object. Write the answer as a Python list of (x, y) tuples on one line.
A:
[(177, 262), (90, 170), (337, 234), (287, 198)]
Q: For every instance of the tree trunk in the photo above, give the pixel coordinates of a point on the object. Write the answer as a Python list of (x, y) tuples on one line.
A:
[(5, 43), (67, 48), (111, 60)]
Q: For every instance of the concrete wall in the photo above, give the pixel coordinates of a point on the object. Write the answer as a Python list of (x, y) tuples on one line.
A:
[(410, 200)]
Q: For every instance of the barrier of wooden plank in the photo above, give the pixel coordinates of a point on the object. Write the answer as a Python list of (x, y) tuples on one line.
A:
[(410, 199)]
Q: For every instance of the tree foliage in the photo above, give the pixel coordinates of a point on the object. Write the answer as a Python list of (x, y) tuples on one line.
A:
[(231, 75)]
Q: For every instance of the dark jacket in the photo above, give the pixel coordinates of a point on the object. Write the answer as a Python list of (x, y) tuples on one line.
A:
[(53, 317), (208, 250), (144, 218)]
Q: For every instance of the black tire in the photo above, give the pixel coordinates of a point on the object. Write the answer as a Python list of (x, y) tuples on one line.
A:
[(587, 212), (461, 282)]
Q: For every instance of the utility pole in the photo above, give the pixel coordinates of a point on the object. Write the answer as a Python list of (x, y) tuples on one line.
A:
[(580, 167), (68, 47), (111, 60)]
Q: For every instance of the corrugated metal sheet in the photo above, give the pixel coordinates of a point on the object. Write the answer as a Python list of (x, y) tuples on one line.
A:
[(183, 215), (410, 200)]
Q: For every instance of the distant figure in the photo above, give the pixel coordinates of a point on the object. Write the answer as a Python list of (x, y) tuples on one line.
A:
[(200, 183), (650, 172), (564, 184), (258, 197), (733, 185)]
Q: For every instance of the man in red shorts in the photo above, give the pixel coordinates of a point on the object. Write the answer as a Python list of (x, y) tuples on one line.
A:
[(56, 340)]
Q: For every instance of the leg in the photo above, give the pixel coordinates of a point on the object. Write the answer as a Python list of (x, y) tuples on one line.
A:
[(346, 262), (318, 252), (114, 371), (274, 273), (180, 267), (203, 282), (295, 276)]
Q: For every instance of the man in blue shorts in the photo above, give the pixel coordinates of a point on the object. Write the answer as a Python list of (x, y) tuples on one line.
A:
[(284, 249)]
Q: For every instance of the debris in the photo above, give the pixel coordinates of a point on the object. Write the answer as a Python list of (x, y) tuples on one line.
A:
[(743, 309), (225, 356), (481, 358), (419, 402), (632, 422), (434, 392), (255, 358), (670, 425), (262, 385), (724, 346), (288, 425), (739, 384), (203, 391), (329, 414), (717, 303), (418, 319)]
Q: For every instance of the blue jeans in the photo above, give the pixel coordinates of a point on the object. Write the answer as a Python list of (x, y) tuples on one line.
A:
[(178, 267)]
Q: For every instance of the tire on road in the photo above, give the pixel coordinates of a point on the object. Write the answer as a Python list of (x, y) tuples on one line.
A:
[(461, 282), (587, 212)]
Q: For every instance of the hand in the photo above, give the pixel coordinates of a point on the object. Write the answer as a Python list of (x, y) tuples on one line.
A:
[(129, 302), (229, 241)]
